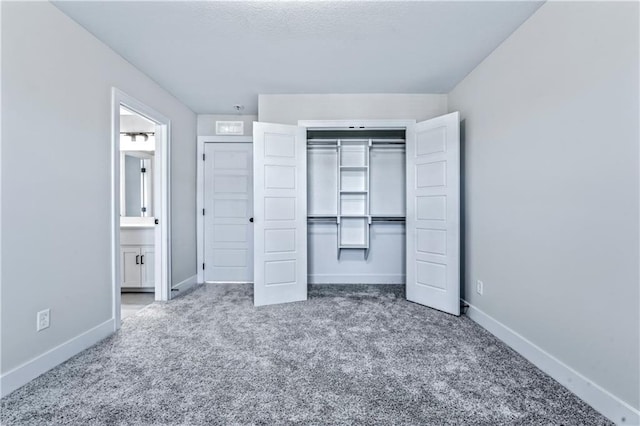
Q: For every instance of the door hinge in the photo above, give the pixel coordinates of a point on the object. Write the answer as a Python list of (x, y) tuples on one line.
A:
[(202, 157), (143, 170), (202, 212), (144, 209), (203, 266)]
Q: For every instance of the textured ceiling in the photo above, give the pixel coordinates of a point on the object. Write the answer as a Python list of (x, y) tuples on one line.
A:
[(211, 55)]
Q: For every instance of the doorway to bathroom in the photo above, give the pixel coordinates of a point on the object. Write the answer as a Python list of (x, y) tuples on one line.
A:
[(140, 206)]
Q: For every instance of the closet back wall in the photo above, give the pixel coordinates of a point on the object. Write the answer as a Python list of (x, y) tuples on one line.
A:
[(386, 261)]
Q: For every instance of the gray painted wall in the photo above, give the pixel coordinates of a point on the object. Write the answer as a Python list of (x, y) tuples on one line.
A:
[(56, 177), (551, 161), (288, 109)]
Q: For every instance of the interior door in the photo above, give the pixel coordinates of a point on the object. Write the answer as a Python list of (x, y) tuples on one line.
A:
[(228, 208), (433, 213), (280, 202)]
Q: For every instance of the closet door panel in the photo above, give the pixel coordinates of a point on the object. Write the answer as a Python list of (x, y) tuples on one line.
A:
[(280, 219), (433, 213)]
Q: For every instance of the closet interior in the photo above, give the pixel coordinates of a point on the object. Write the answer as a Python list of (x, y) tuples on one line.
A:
[(356, 204)]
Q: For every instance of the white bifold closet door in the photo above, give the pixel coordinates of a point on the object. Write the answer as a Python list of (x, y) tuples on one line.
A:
[(433, 213), (280, 213)]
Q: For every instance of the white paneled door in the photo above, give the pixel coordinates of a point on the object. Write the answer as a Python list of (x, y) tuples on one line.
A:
[(280, 189), (433, 213), (228, 210)]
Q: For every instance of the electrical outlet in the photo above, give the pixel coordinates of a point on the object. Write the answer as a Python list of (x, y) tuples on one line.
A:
[(42, 320), (479, 287)]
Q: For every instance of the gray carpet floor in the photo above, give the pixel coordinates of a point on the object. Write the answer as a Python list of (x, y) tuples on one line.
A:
[(349, 355)]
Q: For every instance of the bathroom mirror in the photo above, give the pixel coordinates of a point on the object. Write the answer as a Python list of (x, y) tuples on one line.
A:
[(136, 184)]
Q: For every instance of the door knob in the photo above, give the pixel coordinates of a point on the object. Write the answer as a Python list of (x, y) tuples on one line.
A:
[(251, 219)]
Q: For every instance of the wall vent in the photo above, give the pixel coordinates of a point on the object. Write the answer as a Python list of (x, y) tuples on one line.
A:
[(229, 128)]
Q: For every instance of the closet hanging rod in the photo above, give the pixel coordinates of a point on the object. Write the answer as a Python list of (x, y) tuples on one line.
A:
[(331, 218), (388, 146), (327, 219), (318, 141), (322, 146), (389, 141), (387, 219)]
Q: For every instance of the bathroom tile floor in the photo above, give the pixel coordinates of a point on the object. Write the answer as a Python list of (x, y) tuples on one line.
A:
[(134, 302)]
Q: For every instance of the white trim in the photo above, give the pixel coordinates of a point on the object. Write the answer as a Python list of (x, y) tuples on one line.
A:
[(356, 279), (200, 192), (371, 124), (162, 198), (228, 282), (225, 139), (599, 398), (186, 284), (23, 374), (162, 201)]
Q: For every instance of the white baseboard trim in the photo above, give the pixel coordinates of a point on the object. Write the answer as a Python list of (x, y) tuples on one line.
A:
[(356, 279), (23, 374), (186, 284), (599, 398)]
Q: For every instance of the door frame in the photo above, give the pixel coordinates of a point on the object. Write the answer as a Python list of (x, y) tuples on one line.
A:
[(202, 140), (162, 198)]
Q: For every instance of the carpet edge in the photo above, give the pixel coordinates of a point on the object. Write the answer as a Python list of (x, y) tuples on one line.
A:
[(603, 401), (26, 372)]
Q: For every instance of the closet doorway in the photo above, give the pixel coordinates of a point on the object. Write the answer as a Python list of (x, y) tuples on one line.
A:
[(140, 200), (285, 206)]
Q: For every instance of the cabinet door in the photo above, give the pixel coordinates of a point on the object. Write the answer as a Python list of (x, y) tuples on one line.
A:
[(147, 265), (130, 266)]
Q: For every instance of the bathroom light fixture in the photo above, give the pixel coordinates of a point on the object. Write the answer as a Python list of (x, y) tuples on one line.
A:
[(134, 136)]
